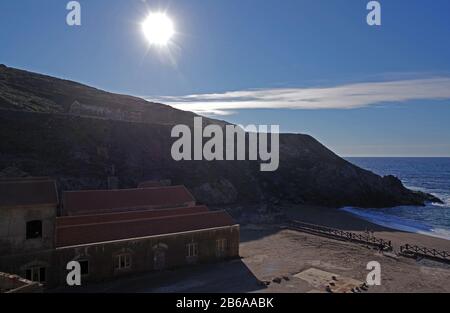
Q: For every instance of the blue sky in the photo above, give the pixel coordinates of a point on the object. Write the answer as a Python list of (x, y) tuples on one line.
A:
[(311, 66)]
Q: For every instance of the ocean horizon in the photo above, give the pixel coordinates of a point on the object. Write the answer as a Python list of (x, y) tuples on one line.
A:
[(427, 174)]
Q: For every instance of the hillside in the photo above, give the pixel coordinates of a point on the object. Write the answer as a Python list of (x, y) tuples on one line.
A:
[(25, 91), (81, 136)]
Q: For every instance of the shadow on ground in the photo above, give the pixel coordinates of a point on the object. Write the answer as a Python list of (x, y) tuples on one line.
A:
[(227, 277)]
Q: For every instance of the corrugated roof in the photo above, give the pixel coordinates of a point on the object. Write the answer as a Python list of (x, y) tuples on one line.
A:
[(120, 230), (106, 201), (126, 216), (28, 192)]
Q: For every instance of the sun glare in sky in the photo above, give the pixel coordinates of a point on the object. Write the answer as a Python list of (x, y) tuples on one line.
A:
[(158, 29)]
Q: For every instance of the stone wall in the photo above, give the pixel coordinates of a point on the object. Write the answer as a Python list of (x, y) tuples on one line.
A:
[(143, 251), (88, 110), (13, 223)]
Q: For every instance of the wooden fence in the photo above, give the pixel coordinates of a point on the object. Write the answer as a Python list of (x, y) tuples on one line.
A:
[(416, 251), (342, 235)]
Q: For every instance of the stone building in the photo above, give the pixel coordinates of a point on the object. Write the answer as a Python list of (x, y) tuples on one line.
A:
[(27, 215), (104, 112), (109, 232)]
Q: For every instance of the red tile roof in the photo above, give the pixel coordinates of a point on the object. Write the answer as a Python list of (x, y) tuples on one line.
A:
[(17, 192), (126, 216), (120, 230), (107, 201)]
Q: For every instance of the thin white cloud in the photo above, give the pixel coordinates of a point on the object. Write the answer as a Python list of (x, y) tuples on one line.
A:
[(339, 97)]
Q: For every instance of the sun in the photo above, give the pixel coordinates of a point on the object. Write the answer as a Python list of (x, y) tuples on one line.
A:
[(158, 29)]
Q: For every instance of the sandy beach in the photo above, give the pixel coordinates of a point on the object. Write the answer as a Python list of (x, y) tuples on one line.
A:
[(275, 253), (335, 218)]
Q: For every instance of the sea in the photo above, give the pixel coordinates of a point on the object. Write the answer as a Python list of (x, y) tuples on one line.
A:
[(431, 175)]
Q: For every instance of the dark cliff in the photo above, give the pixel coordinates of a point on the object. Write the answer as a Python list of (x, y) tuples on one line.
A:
[(81, 135)]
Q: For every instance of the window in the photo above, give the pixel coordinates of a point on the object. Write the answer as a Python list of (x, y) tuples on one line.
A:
[(192, 249), (221, 246), (123, 261), (36, 274), (84, 267), (34, 229)]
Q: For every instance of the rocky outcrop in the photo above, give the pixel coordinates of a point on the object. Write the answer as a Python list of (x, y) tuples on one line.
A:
[(39, 136), (218, 192)]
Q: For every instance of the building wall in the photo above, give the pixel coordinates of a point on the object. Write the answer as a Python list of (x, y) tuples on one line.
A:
[(88, 110), (19, 263), (13, 223), (101, 257)]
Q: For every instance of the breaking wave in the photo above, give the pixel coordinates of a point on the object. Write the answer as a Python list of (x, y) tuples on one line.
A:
[(379, 217)]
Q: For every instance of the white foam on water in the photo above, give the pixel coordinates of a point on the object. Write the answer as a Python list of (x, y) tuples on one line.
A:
[(439, 233), (443, 205), (399, 223), (445, 197)]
